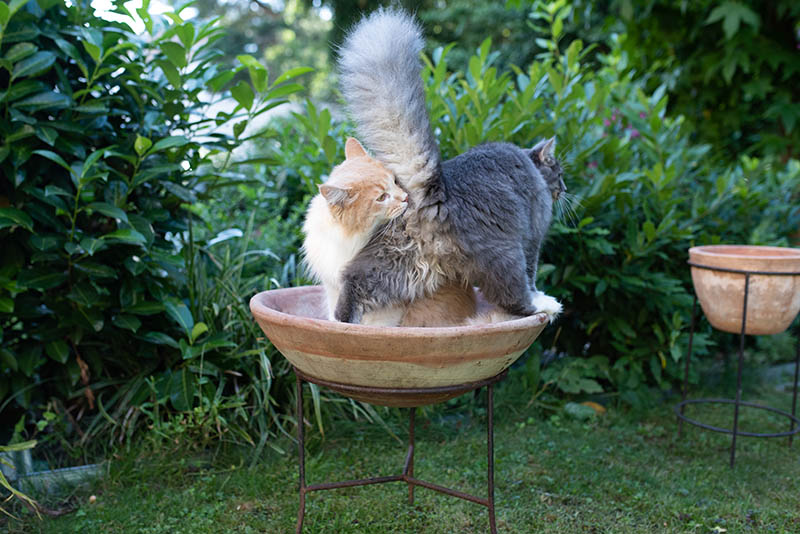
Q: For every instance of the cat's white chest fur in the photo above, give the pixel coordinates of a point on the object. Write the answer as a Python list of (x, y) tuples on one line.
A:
[(328, 248)]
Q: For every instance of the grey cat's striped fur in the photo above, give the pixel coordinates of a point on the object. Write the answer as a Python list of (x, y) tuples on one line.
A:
[(477, 219)]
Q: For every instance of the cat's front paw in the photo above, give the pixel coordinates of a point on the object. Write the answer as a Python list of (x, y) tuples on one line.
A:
[(346, 312), (546, 304), (346, 316)]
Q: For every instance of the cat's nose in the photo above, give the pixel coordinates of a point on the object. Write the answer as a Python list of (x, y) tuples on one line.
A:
[(404, 198)]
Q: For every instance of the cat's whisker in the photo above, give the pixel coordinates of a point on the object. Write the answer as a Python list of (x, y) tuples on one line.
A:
[(566, 208)]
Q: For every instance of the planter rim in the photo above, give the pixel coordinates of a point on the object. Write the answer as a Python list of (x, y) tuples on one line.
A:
[(746, 252), (262, 306)]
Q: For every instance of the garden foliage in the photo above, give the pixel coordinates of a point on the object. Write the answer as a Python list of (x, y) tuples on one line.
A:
[(729, 67), (108, 302), (643, 194), (135, 224)]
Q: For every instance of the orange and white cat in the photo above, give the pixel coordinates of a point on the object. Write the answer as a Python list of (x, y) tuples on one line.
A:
[(359, 196)]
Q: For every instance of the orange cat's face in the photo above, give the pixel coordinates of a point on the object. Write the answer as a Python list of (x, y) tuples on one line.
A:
[(361, 192)]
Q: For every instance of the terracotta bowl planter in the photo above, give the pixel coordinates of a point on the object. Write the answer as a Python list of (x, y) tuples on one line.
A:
[(773, 300), (388, 357)]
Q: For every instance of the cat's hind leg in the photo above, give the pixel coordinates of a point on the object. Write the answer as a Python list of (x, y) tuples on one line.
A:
[(501, 276)]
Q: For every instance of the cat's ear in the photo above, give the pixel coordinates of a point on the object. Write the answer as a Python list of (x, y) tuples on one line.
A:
[(353, 149), (548, 150), (336, 196)]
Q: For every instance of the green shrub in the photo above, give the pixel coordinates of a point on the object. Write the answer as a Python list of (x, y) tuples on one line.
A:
[(641, 195), (107, 149), (729, 67)]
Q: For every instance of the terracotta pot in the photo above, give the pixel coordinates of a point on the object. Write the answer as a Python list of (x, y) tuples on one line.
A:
[(388, 357), (773, 300)]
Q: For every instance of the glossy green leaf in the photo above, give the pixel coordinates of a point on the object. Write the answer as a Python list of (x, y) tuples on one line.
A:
[(15, 5), (52, 156), (26, 130), (134, 265), (146, 308), (243, 94), (175, 53), (168, 142), (218, 82), (127, 322), (20, 51), (96, 270), (54, 190), (46, 242), (284, 90), (649, 230), (46, 134), (92, 245), (92, 108), (171, 73), (93, 50), (125, 235), (92, 317), (160, 338), (142, 145), (45, 100), (180, 313), (182, 390), (34, 64), (8, 360), (186, 34), (292, 73), (15, 217), (41, 279), (57, 350), (84, 294), (249, 61), (179, 191), (258, 77), (7, 305), (238, 128), (198, 330), (109, 210)]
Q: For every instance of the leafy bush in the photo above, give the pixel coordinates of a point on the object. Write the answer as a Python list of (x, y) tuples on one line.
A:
[(126, 266), (643, 194), (107, 301), (729, 67)]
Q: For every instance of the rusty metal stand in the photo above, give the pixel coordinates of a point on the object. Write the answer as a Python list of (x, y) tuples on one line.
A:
[(407, 475), (737, 402)]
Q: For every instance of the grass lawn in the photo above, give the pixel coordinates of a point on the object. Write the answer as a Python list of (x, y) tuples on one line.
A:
[(617, 473)]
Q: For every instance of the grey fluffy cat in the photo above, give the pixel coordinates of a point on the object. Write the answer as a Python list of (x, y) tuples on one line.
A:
[(477, 219)]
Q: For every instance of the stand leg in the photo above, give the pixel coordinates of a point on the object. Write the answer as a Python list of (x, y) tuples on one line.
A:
[(739, 371), (685, 390), (410, 459), (302, 456), (794, 385), (490, 447)]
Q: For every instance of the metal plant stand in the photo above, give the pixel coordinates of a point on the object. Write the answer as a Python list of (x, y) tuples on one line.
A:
[(794, 427), (407, 475)]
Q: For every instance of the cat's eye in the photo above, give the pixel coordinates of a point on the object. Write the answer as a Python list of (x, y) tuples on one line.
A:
[(383, 197)]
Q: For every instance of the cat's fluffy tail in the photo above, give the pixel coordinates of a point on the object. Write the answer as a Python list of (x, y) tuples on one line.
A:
[(379, 68)]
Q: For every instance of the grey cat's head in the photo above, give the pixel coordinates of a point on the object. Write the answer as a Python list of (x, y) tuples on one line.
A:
[(543, 156)]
